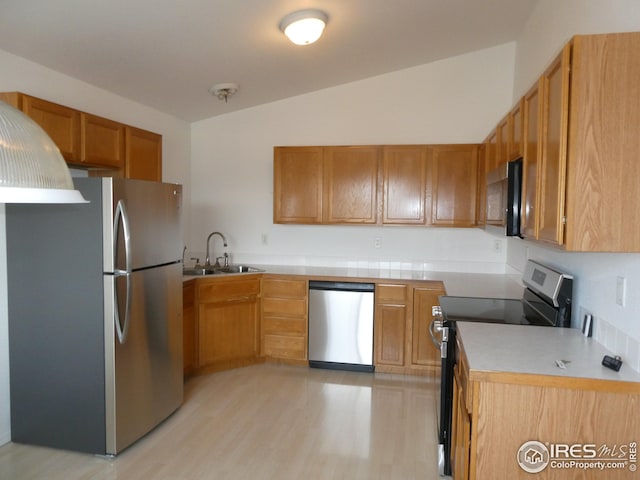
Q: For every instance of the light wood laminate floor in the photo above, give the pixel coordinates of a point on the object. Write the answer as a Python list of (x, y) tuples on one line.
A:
[(268, 422)]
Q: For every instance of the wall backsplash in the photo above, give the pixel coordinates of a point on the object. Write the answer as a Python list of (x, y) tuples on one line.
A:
[(617, 327)]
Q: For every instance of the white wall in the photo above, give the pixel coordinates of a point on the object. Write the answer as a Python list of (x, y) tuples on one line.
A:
[(457, 100), (19, 74), (551, 25)]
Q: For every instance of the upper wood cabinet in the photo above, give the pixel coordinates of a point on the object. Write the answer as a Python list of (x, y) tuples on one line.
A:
[(351, 184), (491, 151), (555, 95), (61, 123), (589, 140), (143, 157), (502, 135), (103, 141), (404, 180), (297, 184), (107, 147), (389, 184), (481, 207), (531, 160), (515, 147), (452, 189)]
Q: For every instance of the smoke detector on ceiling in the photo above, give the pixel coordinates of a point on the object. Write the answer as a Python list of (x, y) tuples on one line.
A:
[(223, 90)]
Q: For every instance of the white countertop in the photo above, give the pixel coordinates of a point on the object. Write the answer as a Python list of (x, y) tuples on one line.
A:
[(534, 350), (489, 285)]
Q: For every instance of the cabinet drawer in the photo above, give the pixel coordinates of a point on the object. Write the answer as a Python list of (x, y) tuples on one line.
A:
[(226, 289), (285, 347), (386, 293), (284, 288), (284, 306), (284, 326)]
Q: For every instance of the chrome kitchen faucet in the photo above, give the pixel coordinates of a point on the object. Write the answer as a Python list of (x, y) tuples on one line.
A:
[(207, 262)]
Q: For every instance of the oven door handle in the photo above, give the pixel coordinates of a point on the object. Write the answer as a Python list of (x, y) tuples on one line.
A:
[(435, 326), (535, 309)]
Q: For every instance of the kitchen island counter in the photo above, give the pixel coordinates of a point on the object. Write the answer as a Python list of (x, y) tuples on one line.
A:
[(496, 350)]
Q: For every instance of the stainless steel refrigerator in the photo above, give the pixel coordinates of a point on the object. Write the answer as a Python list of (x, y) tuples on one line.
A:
[(95, 315)]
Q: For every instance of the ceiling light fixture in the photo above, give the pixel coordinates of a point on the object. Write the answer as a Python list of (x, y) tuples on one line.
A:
[(32, 169), (304, 26), (223, 90)]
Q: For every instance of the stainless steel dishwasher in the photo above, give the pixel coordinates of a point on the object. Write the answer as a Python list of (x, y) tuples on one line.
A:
[(341, 325)]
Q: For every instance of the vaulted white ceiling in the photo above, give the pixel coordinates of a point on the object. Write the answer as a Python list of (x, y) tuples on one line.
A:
[(167, 53)]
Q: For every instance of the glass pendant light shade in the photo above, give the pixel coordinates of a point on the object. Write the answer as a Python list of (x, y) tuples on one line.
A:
[(32, 169)]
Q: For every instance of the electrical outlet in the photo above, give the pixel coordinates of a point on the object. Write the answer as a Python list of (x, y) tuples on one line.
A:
[(264, 238), (621, 291), (497, 246), (377, 242)]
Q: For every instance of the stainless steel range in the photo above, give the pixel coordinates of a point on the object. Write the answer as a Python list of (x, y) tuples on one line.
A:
[(546, 301)]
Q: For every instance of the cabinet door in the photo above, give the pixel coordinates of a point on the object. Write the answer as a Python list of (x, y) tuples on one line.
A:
[(531, 161), (491, 151), (481, 207), (516, 131), (423, 351), (143, 154), (404, 183), (390, 327), (102, 141), (227, 330), (61, 123), (297, 185), (188, 327), (502, 133), (453, 180), (390, 324), (351, 184), (555, 103), (461, 434)]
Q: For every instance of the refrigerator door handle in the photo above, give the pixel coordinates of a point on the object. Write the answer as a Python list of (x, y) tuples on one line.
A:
[(122, 217)]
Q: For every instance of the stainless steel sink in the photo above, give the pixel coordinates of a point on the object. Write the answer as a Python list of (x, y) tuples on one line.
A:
[(201, 271), (239, 269), (198, 271)]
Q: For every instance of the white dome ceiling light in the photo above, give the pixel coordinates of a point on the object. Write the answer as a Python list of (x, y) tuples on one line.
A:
[(304, 27), (223, 90), (32, 169)]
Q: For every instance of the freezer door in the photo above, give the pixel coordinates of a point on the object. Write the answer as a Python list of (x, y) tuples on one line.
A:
[(143, 371)]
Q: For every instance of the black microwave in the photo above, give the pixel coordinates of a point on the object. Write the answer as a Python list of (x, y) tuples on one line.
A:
[(504, 197)]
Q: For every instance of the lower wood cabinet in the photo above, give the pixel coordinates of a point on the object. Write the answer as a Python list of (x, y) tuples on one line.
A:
[(401, 331), (284, 318), (189, 326), (231, 321), (496, 413), (390, 328), (423, 352), (228, 326)]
